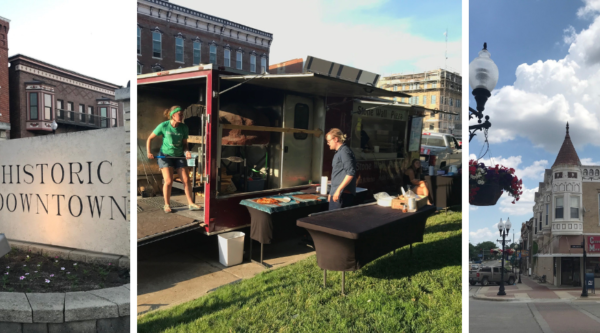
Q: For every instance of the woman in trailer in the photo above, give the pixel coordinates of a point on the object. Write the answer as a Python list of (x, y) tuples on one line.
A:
[(414, 173), (174, 149), (343, 172)]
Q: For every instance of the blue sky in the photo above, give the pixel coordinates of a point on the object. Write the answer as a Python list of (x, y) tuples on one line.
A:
[(381, 36), (548, 56)]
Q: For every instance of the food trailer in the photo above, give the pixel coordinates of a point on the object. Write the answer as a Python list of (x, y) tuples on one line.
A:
[(263, 134)]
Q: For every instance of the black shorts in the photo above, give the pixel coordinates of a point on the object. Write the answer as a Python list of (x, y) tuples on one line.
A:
[(174, 163)]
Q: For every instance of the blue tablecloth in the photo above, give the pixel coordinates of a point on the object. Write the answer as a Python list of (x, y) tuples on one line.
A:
[(280, 207)]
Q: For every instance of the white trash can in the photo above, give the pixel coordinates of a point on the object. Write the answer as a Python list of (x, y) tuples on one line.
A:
[(231, 248)]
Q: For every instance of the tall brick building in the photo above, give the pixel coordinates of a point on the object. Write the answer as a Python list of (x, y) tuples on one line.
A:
[(41, 93), (171, 36), (4, 92), (438, 90)]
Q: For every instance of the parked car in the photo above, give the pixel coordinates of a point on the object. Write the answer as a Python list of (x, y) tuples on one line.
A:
[(486, 275), (440, 149)]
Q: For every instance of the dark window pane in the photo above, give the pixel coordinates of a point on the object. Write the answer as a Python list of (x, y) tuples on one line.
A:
[(301, 120), (33, 106), (574, 213), (559, 213)]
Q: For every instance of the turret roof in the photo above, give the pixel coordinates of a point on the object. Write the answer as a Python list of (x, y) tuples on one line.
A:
[(567, 154)]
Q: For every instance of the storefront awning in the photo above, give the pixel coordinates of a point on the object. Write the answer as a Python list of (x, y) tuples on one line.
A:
[(314, 84)]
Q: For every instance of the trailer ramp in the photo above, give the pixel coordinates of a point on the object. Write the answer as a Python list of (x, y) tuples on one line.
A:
[(154, 225)]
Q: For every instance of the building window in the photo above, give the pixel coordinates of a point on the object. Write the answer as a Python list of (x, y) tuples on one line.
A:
[(196, 57), (572, 175), (424, 100), (574, 207), (47, 107), (227, 58), (238, 60), (547, 208), (434, 85), (450, 101), (113, 117), (403, 87), (139, 41), (178, 49), (91, 114), (103, 117), (395, 88), (213, 54), (33, 106), (156, 44), (59, 109), (82, 112), (139, 68), (558, 211), (433, 99), (70, 114), (431, 127), (458, 103), (253, 63), (557, 175), (263, 64)]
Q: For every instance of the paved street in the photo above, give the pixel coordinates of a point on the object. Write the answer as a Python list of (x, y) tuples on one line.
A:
[(543, 310)]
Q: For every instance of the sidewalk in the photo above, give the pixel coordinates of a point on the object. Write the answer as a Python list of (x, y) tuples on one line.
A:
[(533, 291)]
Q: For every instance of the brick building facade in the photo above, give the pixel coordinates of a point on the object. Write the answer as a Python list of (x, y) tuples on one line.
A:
[(4, 92), (288, 67), (41, 93), (171, 36)]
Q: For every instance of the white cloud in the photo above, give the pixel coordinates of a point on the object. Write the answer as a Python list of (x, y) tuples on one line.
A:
[(548, 94), (472, 208), (481, 235), (588, 161), (522, 207), (319, 34), (590, 7), (534, 171)]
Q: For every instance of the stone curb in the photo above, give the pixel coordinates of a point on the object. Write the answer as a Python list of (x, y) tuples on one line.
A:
[(58, 308), (71, 253), (531, 300)]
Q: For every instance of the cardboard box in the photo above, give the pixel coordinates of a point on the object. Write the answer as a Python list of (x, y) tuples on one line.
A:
[(401, 200)]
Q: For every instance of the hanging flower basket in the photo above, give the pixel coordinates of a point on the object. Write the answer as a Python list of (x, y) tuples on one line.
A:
[(486, 195), (486, 184)]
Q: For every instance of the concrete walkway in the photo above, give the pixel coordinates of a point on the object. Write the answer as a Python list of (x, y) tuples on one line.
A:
[(182, 268), (533, 291)]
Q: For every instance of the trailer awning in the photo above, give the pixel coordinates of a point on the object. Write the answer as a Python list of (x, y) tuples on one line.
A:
[(314, 84)]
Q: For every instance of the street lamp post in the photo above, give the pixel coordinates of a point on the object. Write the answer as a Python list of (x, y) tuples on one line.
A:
[(520, 257), (584, 292), (503, 228), (483, 77)]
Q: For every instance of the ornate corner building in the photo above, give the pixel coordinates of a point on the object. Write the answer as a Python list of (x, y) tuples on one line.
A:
[(566, 212), (41, 93), (170, 36), (438, 90)]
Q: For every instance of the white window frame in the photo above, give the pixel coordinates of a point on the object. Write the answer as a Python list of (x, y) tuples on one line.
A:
[(194, 49), (578, 208), (160, 43), (182, 50), (227, 58), (556, 206), (263, 64), (211, 57), (433, 99), (139, 68), (239, 56), (253, 63)]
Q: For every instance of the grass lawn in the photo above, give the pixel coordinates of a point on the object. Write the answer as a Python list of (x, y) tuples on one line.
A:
[(395, 293)]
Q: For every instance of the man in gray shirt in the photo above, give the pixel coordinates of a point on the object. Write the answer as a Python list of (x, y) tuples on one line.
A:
[(343, 172)]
